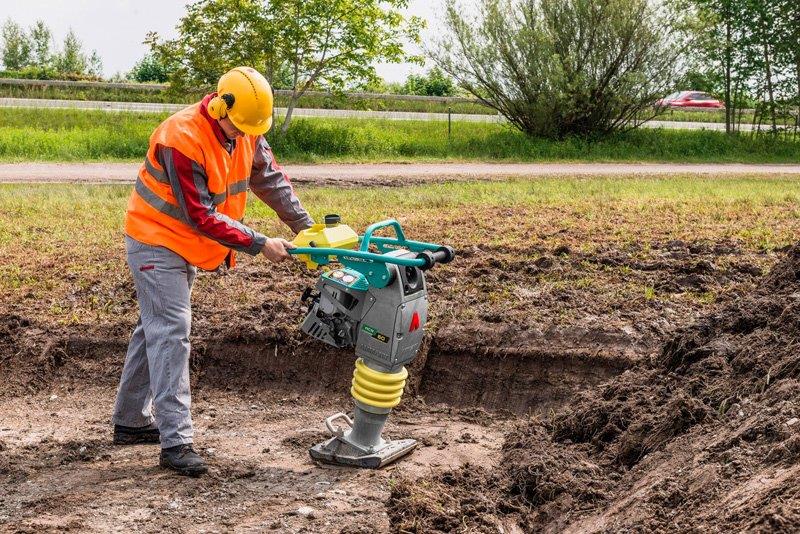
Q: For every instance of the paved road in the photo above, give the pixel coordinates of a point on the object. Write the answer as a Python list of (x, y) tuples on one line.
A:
[(392, 174), (302, 112)]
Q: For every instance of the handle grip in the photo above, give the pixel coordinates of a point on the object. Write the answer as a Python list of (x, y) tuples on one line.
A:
[(443, 254), (345, 254)]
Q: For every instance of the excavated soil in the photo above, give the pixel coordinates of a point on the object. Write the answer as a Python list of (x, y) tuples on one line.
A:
[(515, 336), (704, 436)]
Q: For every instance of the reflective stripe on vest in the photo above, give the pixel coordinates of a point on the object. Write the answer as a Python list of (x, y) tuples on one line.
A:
[(233, 189), (238, 187), (158, 203), (159, 175)]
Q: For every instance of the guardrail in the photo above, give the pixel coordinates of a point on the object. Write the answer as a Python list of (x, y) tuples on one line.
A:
[(330, 113), (146, 107), (153, 87), (156, 87)]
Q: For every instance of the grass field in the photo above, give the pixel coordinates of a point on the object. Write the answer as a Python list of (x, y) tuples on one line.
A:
[(63, 229), (71, 135), (63, 252), (717, 116)]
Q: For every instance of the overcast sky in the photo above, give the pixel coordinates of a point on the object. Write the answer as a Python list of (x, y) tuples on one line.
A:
[(116, 28)]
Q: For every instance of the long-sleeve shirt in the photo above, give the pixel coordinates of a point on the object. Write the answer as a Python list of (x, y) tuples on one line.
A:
[(272, 185), (267, 180)]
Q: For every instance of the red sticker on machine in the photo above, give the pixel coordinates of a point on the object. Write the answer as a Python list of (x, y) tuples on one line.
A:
[(414, 322)]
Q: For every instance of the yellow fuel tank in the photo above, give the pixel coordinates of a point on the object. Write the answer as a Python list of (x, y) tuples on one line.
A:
[(329, 234)]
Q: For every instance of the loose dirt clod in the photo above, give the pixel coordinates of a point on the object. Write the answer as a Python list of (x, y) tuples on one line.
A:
[(701, 437)]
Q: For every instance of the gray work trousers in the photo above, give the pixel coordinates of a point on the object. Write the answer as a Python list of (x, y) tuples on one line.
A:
[(156, 371)]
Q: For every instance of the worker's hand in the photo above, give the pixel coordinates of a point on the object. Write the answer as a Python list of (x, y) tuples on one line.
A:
[(275, 249)]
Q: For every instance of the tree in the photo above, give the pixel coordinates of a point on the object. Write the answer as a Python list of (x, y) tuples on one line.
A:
[(41, 42), (702, 80), (32, 54), (94, 65), (71, 59), (434, 83), (16, 50), (560, 67), (754, 46), (325, 44), (149, 69), (330, 43), (214, 36), (787, 53)]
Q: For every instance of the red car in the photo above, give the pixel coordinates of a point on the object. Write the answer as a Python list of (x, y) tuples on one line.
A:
[(690, 99)]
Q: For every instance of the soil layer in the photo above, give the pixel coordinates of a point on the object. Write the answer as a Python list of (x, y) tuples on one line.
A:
[(543, 397), (261, 394), (704, 436)]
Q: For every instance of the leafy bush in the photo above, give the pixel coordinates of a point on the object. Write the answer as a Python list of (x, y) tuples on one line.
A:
[(32, 73), (563, 67), (149, 69), (434, 83)]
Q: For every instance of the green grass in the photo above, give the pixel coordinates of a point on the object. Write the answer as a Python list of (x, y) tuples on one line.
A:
[(63, 257), (314, 102), (756, 210), (698, 116), (71, 135)]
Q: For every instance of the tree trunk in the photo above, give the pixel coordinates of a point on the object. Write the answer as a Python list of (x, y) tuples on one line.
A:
[(729, 112), (296, 94), (289, 111), (737, 97), (770, 90)]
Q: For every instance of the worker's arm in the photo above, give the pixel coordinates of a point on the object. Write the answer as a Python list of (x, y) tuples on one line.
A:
[(271, 184), (190, 187)]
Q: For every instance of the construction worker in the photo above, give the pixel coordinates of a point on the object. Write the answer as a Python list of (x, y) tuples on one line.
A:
[(186, 213)]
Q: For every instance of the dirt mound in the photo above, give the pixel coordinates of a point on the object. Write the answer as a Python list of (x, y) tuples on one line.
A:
[(703, 436)]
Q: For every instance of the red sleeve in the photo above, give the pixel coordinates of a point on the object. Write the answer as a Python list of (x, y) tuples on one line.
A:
[(190, 186)]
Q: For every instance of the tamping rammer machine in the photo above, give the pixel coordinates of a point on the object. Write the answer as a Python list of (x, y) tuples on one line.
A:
[(376, 301)]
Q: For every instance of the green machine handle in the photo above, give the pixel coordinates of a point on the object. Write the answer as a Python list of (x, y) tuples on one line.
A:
[(343, 254), (373, 265), (367, 237)]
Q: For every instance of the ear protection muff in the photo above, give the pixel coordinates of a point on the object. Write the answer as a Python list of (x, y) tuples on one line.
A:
[(219, 105)]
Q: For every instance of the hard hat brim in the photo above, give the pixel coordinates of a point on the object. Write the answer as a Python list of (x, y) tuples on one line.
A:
[(250, 129)]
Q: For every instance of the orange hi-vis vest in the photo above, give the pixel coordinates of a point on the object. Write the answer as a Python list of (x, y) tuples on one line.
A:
[(154, 215)]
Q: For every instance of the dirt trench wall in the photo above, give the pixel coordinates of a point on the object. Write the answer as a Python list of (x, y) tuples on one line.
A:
[(464, 365), (521, 370)]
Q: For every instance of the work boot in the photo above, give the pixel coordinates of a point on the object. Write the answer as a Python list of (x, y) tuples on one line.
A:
[(184, 460), (131, 435)]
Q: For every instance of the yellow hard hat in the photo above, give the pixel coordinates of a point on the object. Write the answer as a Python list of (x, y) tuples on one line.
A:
[(245, 97)]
